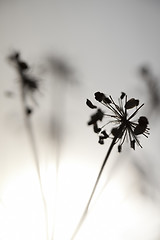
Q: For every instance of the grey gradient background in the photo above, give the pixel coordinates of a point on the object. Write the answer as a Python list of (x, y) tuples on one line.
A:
[(104, 42)]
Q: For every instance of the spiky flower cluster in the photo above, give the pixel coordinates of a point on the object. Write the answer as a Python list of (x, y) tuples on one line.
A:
[(125, 126)]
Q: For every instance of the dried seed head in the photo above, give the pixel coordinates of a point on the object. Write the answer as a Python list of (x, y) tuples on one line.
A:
[(120, 117)]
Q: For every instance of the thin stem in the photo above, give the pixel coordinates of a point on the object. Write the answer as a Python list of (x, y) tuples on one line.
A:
[(101, 170), (34, 150), (133, 114), (94, 188), (60, 101), (35, 154)]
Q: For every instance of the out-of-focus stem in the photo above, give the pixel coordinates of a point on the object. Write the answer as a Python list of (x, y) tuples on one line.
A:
[(61, 102), (34, 149)]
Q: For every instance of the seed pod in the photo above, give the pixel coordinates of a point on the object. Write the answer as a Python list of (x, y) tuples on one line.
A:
[(122, 95), (99, 96), (133, 144), (101, 141), (131, 103), (90, 104), (119, 148), (143, 121), (139, 129), (96, 128)]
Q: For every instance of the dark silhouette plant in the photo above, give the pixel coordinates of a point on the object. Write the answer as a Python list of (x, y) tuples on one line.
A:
[(121, 115), (124, 127), (29, 85), (63, 76)]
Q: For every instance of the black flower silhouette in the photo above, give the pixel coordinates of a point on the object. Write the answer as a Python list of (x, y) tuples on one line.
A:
[(125, 126)]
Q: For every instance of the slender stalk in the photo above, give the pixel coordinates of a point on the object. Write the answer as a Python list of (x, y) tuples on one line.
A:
[(57, 164), (34, 150), (94, 188), (35, 154), (101, 170), (60, 111)]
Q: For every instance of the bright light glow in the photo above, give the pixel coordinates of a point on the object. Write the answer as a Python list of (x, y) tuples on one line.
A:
[(113, 214), (23, 217)]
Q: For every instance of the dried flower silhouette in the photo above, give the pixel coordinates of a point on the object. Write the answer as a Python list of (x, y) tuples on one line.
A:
[(28, 86), (125, 126)]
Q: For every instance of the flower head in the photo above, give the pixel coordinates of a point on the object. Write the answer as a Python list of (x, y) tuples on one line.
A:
[(29, 84), (125, 125)]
